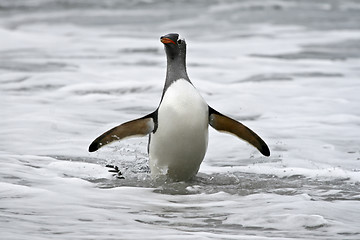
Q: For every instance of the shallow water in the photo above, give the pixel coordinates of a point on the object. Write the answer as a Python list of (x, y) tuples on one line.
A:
[(70, 70)]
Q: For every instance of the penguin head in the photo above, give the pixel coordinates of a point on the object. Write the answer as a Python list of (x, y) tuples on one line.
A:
[(174, 46)]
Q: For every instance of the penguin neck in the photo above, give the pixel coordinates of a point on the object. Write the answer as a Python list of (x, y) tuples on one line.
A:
[(176, 69)]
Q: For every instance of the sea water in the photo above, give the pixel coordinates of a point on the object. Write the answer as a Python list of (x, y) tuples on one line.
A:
[(289, 70)]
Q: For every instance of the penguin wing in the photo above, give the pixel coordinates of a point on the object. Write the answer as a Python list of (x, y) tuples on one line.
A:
[(223, 123), (137, 127)]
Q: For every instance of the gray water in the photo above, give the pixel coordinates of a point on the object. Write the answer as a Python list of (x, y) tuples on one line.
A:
[(70, 70)]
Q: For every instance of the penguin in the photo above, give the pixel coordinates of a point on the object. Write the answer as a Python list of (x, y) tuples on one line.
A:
[(178, 128)]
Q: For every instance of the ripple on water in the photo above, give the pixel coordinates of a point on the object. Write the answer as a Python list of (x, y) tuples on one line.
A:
[(137, 174)]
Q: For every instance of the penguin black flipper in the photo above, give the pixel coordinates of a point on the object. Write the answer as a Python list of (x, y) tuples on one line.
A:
[(223, 123), (137, 127)]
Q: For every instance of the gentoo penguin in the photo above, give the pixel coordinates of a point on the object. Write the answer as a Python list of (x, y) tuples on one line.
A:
[(178, 128)]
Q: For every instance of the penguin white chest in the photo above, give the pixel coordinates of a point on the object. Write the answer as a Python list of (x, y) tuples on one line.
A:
[(179, 143)]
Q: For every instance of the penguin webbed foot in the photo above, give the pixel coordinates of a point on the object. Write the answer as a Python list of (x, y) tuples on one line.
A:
[(115, 169)]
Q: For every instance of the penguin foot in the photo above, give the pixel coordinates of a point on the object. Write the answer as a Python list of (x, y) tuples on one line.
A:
[(115, 169)]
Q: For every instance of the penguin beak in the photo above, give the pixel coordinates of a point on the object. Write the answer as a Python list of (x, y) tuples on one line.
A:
[(166, 40)]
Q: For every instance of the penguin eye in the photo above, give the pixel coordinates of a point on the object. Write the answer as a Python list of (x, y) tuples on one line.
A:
[(179, 41)]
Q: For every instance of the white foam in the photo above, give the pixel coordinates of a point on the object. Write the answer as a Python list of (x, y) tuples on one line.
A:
[(67, 75)]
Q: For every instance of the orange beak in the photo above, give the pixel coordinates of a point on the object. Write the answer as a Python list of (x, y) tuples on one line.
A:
[(167, 40)]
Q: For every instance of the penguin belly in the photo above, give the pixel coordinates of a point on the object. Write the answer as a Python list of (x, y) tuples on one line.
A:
[(179, 144)]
